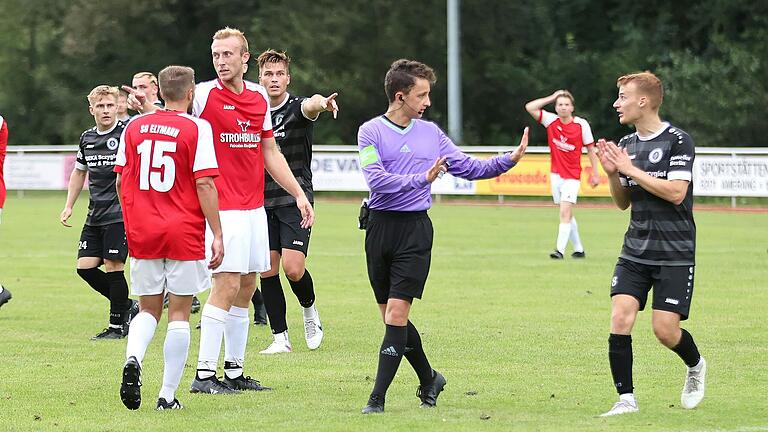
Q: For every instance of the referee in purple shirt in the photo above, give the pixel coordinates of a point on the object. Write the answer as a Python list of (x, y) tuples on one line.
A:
[(401, 155)]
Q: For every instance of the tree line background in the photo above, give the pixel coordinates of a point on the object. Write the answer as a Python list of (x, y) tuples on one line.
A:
[(711, 54)]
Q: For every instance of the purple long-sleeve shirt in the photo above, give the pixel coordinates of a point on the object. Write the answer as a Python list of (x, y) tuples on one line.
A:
[(395, 161)]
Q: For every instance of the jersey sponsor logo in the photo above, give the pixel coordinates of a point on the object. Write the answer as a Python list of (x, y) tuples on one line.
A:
[(655, 155), (679, 160), (112, 143), (405, 149), (244, 124), (672, 301), (562, 144), (229, 107)]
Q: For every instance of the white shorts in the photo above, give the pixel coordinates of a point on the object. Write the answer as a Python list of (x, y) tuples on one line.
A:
[(246, 241), (154, 276), (564, 189)]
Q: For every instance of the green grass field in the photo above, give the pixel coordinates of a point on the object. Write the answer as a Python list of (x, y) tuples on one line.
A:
[(521, 339)]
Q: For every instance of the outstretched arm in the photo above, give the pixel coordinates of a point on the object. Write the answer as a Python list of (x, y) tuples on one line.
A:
[(317, 104)]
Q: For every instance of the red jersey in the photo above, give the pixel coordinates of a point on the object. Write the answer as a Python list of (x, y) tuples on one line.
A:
[(3, 147), (565, 143), (239, 122), (160, 157)]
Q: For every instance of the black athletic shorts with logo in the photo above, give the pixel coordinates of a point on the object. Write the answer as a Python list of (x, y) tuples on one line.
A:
[(105, 241), (672, 285), (398, 250), (285, 231)]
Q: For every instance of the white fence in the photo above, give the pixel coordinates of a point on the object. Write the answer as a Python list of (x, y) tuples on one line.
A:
[(725, 172)]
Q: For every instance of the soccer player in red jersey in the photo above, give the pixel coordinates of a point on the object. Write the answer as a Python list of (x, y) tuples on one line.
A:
[(238, 111), (5, 295), (166, 164), (566, 134)]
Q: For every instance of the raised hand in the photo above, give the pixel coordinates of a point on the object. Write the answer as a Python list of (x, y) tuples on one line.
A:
[(604, 153), (437, 170), (329, 104)]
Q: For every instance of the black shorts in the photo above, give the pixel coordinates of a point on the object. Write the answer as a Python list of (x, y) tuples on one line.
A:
[(285, 231), (672, 285), (398, 250), (105, 241)]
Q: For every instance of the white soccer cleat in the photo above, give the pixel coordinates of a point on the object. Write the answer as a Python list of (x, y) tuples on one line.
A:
[(281, 344), (693, 389), (622, 407), (313, 330), (277, 348)]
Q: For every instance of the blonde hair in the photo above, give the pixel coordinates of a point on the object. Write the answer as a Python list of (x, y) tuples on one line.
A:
[(227, 32), (150, 75), (566, 94), (101, 91), (646, 84)]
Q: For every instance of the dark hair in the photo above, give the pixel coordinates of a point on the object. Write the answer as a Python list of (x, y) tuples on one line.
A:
[(272, 56), (402, 75), (175, 81)]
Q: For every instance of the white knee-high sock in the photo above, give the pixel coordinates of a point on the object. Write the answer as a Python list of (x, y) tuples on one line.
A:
[(176, 349), (575, 238), (211, 331), (563, 232), (140, 335), (235, 339)]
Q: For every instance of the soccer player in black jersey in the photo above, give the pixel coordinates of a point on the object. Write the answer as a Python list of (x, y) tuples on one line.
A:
[(293, 120), (651, 171), (103, 237)]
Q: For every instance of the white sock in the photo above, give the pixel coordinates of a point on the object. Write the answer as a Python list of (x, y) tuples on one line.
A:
[(211, 331), (140, 335), (628, 397), (563, 233), (175, 350), (310, 312), (235, 339), (575, 238)]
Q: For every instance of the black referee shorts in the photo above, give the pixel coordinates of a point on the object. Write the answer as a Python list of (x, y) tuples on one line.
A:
[(398, 250)]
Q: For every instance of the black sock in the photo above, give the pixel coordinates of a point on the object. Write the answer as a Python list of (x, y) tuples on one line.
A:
[(274, 301), (414, 353), (687, 349), (620, 357), (96, 279), (257, 299), (390, 355), (118, 298), (304, 289)]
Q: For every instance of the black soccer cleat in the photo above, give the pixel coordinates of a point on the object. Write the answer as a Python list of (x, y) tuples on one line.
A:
[(163, 405), (244, 383), (110, 333), (429, 393), (5, 296), (195, 305), (259, 315), (375, 405), (130, 389), (579, 255), (210, 385), (556, 254), (133, 310)]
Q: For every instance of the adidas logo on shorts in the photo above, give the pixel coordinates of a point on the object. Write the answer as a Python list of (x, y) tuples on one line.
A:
[(391, 351)]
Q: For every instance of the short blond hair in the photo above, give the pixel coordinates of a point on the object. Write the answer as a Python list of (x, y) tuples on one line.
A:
[(566, 94), (227, 32), (101, 91), (647, 84), (150, 75)]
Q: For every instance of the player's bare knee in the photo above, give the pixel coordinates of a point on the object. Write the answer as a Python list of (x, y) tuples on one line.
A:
[(293, 271), (622, 321), (668, 335)]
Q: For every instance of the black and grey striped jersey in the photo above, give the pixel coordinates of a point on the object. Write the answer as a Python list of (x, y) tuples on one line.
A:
[(293, 133), (660, 232), (96, 154)]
